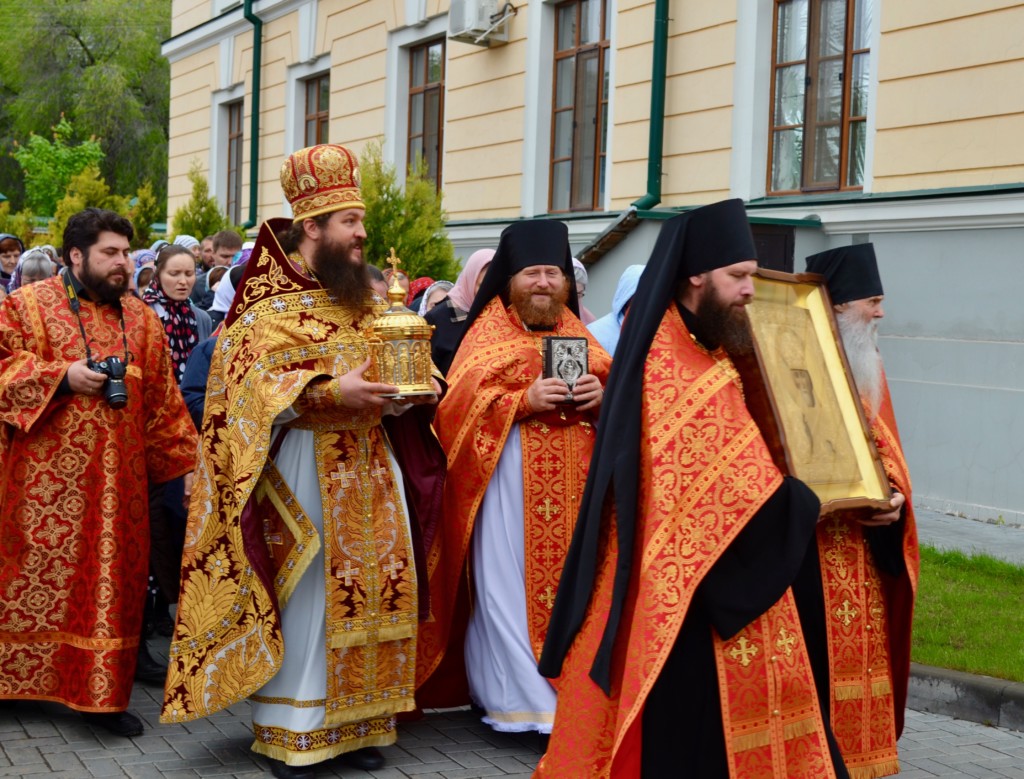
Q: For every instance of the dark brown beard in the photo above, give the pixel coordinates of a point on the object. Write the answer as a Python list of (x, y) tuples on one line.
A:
[(101, 287), (341, 275), (539, 316), (723, 324)]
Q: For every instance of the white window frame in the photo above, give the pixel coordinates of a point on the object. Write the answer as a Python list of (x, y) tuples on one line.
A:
[(295, 97), (752, 93), (395, 149), (218, 175)]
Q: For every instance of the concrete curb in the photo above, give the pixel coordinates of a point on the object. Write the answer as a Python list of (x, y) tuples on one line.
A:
[(972, 697)]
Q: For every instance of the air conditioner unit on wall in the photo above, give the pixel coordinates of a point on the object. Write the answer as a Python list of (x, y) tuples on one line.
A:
[(480, 22)]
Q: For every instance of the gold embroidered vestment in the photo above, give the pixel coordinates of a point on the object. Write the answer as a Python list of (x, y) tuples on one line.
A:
[(249, 541), (74, 508)]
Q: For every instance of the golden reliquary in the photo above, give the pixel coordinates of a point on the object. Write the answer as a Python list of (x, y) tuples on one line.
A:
[(400, 344)]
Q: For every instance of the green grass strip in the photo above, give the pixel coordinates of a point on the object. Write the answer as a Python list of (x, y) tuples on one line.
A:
[(969, 614)]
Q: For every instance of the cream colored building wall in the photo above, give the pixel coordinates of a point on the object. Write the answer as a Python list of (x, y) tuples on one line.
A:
[(186, 14), (698, 102), (358, 44), (484, 126), (189, 126), (950, 103)]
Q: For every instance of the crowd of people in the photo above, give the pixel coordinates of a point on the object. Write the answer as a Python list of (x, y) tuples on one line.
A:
[(602, 551)]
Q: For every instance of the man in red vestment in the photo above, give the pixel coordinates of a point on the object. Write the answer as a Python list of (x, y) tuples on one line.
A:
[(676, 630), (518, 447), (869, 562), (76, 460), (315, 495)]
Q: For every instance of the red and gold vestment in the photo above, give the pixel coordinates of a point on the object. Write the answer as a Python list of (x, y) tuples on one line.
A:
[(248, 541), (869, 613), (705, 471), (74, 507), (494, 367)]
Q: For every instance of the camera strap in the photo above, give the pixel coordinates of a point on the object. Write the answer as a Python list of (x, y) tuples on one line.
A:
[(76, 307)]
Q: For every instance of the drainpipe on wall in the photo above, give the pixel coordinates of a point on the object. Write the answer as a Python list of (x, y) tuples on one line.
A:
[(254, 130), (659, 67)]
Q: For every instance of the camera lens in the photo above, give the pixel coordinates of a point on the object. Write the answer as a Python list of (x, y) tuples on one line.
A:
[(116, 393)]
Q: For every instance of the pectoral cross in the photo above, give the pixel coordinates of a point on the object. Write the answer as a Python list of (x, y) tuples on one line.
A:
[(548, 598), (743, 651), (847, 613), (344, 476), (548, 509), (785, 642), (394, 567), (348, 573), (271, 538)]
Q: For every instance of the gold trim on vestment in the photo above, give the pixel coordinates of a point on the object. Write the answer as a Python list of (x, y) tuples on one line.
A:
[(295, 704), (80, 642), (306, 541), (316, 746), (875, 771)]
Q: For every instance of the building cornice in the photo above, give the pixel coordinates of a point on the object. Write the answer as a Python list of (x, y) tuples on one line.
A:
[(469, 235), (929, 210), (231, 22)]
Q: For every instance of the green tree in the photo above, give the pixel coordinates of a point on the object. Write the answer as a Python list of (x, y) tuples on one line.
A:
[(201, 215), (87, 189), (412, 220), (49, 166), (144, 213), (99, 64), (19, 224)]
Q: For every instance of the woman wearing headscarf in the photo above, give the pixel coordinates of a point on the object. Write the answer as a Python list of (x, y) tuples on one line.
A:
[(33, 265), (449, 316), (416, 290), (190, 243), (434, 296), (185, 325), (11, 249)]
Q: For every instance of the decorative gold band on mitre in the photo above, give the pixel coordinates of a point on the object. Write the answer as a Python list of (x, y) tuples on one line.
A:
[(321, 179)]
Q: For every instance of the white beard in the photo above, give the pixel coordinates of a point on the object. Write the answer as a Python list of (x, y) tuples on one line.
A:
[(860, 339)]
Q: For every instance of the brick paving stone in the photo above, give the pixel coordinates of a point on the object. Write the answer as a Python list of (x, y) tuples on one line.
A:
[(64, 761), (471, 760), (512, 764), (23, 755), (474, 773), (430, 768), (103, 766), (47, 740)]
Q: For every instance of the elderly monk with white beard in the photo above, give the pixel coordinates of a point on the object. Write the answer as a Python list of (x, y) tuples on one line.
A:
[(869, 561)]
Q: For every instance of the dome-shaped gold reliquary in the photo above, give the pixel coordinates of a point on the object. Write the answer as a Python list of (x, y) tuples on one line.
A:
[(400, 344)]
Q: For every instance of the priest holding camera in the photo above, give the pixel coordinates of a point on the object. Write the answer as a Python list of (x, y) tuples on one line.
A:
[(91, 413)]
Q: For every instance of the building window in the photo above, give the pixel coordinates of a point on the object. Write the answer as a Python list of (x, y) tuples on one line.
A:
[(426, 107), (579, 133), (318, 109), (234, 189), (820, 70)]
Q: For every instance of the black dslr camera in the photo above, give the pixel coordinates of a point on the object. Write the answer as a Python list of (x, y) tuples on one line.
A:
[(114, 390)]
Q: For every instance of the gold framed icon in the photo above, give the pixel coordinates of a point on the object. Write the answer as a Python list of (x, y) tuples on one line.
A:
[(800, 390)]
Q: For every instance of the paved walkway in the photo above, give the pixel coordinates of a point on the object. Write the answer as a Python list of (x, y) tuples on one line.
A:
[(1005, 542), (45, 740)]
